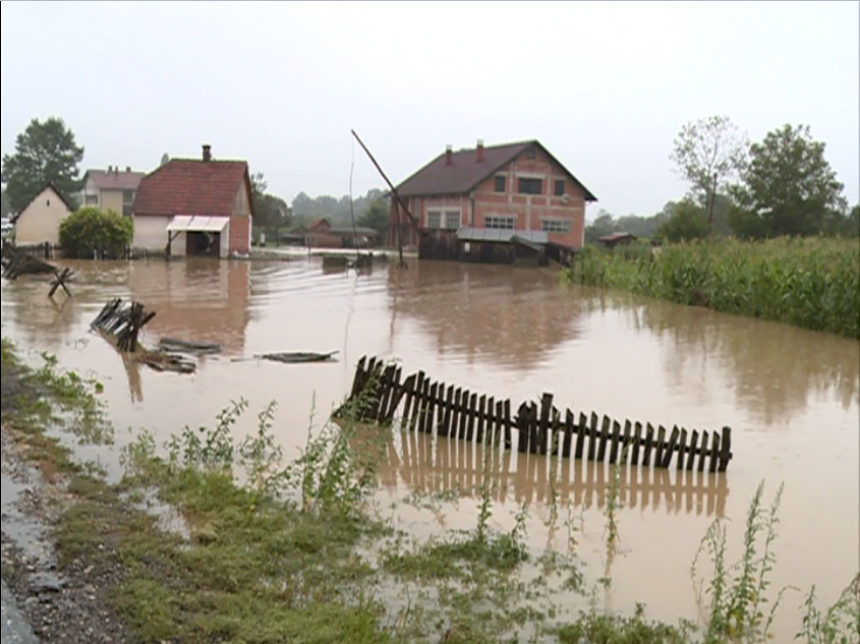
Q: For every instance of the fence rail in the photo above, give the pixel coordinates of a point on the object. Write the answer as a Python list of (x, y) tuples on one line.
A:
[(55, 251), (380, 394)]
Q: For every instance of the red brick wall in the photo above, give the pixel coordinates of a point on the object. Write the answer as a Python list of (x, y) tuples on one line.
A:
[(530, 209), (240, 234)]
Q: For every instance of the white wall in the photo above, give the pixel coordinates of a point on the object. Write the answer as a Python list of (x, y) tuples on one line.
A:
[(151, 232), (39, 222)]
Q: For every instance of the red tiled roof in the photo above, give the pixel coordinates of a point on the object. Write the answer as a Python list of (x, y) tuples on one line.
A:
[(192, 187), (114, 180), (465, 171)]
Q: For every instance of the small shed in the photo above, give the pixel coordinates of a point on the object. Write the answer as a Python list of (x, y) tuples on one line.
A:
[(615, 239), (484, 245)]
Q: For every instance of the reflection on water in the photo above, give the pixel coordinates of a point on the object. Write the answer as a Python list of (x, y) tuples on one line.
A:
[(791, 396), (773, 368), (507, 315), (426, 464)]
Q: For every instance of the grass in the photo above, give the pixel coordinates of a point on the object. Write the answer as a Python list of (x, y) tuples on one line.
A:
[(277, 552), (812, 283)]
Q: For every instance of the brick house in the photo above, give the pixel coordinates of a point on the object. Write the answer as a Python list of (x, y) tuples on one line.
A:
[(516, 187), (195, 207)]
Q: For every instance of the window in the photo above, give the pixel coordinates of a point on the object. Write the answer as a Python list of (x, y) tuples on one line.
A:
[(434, 219), (92, 200), (505, 223), (127, 196), (530, 154), (452, 219), (530, 186), (559, 187), (561, 226), (500, 183)]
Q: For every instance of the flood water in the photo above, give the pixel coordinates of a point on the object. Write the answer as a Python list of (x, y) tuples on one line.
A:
[(790, 395)]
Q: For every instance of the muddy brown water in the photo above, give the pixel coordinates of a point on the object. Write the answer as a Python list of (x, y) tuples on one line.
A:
[(790, 395)]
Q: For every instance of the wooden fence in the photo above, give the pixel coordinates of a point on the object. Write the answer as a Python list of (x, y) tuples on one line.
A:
[(55, 251), (379, 395)]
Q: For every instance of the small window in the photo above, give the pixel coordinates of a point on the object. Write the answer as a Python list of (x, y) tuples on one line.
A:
[(500, 183), (434, 219), (530, 186), (127, 196), (452, 219), (559, 187), (504, 223), (531, 154), (560, 226), (92, 200)]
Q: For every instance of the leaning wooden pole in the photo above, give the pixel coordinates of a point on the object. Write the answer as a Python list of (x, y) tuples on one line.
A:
[(398, 201)]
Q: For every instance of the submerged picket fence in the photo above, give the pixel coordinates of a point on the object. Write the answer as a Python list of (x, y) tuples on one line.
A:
[(381, 395)]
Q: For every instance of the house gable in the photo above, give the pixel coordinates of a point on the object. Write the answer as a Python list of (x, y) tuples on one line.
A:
[(39, 220), (462, 171)]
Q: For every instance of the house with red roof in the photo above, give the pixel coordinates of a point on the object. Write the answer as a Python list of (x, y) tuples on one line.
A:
[(492, 195), (195, 207)]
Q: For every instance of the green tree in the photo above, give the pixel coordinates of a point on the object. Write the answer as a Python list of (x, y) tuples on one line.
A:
[(376, 216), (165, 159), (4, 204), (708, 153), (789, 188), (686, 223), (44, 152), (89, 229), (271, 213)]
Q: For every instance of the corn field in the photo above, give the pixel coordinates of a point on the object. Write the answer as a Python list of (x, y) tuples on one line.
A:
[(809, 282)]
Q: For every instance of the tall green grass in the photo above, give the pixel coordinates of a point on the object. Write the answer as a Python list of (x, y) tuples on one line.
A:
[(812, 283)]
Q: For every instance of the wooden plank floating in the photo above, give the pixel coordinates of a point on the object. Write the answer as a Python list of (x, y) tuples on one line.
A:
[(120, 323), (436, 408)]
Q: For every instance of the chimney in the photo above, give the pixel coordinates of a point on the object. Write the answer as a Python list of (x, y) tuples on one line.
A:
[(128, 168), (449, 154), (110, 168), (207, 152), (480, 150)]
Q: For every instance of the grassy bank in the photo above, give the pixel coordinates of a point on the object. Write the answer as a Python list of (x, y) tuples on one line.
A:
[(812, 283), (220, 540)]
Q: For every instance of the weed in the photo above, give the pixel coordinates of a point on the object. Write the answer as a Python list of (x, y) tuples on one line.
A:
[(839, 624)]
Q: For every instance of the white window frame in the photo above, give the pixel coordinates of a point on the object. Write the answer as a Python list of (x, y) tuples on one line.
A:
[(555, 226), (500, 222), (448, 219), (434, 217)]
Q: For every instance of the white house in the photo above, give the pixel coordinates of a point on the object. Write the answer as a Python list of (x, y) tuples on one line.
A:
[(39, 221)]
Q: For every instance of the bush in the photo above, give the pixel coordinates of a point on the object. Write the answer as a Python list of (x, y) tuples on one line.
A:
[(89, 230)]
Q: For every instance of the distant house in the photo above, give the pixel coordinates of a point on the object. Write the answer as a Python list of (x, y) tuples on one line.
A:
[(520, 188), (196, 206), (39, 221), (111, 189), (614, 239), (321, 234)]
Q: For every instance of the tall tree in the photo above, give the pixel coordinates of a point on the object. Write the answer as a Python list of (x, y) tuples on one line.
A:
[(708, 153), (43, 152), (789, 188), (270, 212), (376, 216), (4, 204)]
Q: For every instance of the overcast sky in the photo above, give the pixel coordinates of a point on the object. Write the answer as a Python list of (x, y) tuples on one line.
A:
[(604, 86)]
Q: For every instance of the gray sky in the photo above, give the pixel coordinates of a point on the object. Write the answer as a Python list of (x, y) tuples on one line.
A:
[(604, 86)]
